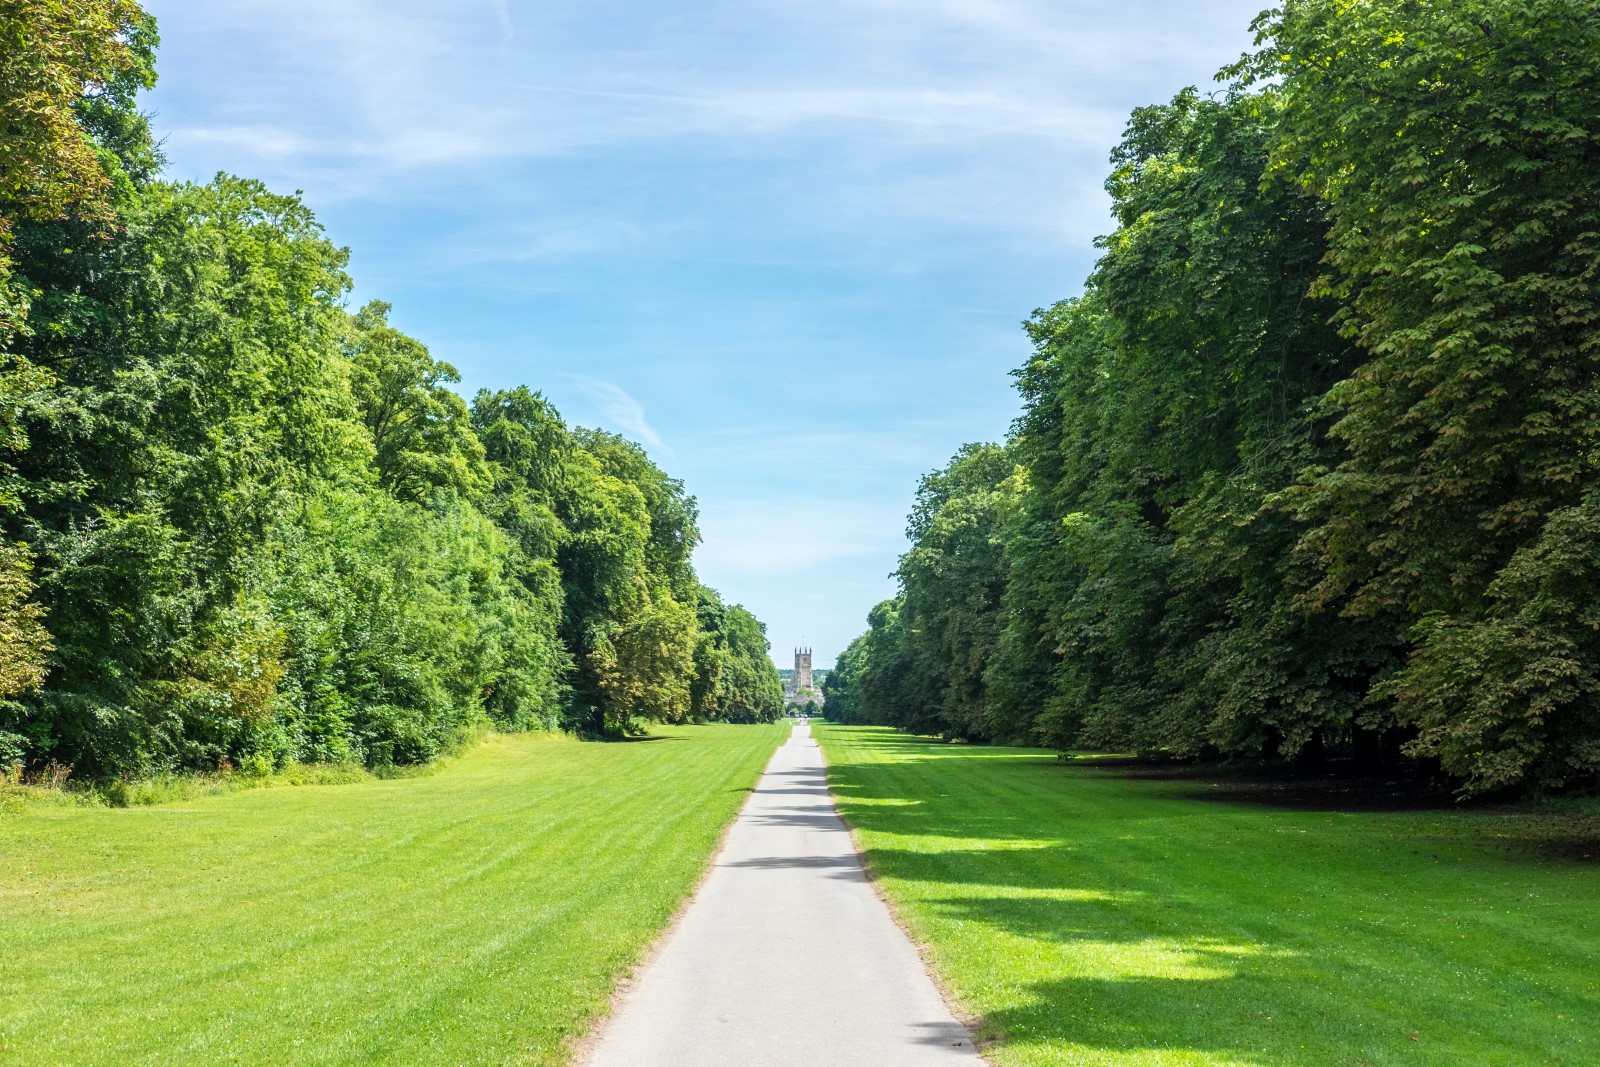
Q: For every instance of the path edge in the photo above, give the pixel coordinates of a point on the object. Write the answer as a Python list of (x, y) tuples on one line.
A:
[(971, 1020), (580, 1048)]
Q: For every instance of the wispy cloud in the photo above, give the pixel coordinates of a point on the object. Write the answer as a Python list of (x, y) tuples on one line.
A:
[(266, 142), (620, 409), (931, 111), (386, 89), (503, 13)]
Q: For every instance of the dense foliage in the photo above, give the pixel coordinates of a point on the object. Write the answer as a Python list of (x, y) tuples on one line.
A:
[(242, 525), (1312, 461)]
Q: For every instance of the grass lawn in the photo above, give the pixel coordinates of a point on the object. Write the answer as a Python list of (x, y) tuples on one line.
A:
[(479, 915), (1091, 916)]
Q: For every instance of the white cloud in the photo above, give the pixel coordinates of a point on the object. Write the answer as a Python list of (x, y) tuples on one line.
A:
[(620, 410), (264, 142)]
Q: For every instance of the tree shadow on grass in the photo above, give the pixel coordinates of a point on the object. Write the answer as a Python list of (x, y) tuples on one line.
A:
[(1140, 983), (1338, 786), (1219, 1019), (1239, 1013), (1279, 954), (1581, 848), (878, 803), (1112, 911), (1095, 973), (1517, 831), (1564, 832)]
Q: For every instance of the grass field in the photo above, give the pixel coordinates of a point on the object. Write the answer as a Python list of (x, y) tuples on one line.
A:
[(479, 915), (1094, 916)]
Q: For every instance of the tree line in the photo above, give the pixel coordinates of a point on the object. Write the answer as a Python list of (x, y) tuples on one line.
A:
[(1311, 464), (241, 525)]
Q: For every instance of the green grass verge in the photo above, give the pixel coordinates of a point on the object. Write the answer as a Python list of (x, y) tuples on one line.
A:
[(1089, 917), (479, 915)]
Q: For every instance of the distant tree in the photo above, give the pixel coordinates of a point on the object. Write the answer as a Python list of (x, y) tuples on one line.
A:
[(893, 690), (953, 580), (841, 688), (735, 680)]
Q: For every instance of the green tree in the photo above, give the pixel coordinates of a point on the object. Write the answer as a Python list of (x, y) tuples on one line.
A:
[(630, 587), (735, 680), (199, 391), (55, 56), (952, 581), (1151, 597), (892, 691), (22, 633), (1464, 203), (841, 690), (56, 61), (421, 430), (527, 448)]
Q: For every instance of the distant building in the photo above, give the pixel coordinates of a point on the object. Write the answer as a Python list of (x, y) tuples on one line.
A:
[(801, 679)]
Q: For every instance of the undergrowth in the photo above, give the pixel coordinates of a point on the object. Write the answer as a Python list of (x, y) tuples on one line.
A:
[(53, 784)]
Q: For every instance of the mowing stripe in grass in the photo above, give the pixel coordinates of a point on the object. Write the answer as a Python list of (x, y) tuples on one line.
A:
[(480, 915), (1092, 918)]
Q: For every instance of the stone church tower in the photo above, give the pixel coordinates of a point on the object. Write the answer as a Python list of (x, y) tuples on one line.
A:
[(802, 669), (801, 678)]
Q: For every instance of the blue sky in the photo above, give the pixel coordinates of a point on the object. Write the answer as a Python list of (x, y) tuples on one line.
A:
[(785, 244)]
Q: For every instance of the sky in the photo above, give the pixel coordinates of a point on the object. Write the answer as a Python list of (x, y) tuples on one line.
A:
[(786, 245)]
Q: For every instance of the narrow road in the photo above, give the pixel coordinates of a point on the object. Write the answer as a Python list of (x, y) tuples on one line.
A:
[(786, 956)]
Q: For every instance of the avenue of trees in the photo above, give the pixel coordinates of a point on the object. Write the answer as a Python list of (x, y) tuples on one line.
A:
[(242, 525), (1314, 461)]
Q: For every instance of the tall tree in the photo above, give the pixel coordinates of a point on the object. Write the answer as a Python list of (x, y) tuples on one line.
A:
[(952, 580), (1464, 199), (1164, 410), (629, 584), (56, 60)]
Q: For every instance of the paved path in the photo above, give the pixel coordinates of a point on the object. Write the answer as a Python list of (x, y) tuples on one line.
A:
[(786, 956)]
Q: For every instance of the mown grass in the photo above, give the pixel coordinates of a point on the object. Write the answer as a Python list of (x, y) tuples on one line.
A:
[(1091, 917), (479, 915)]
